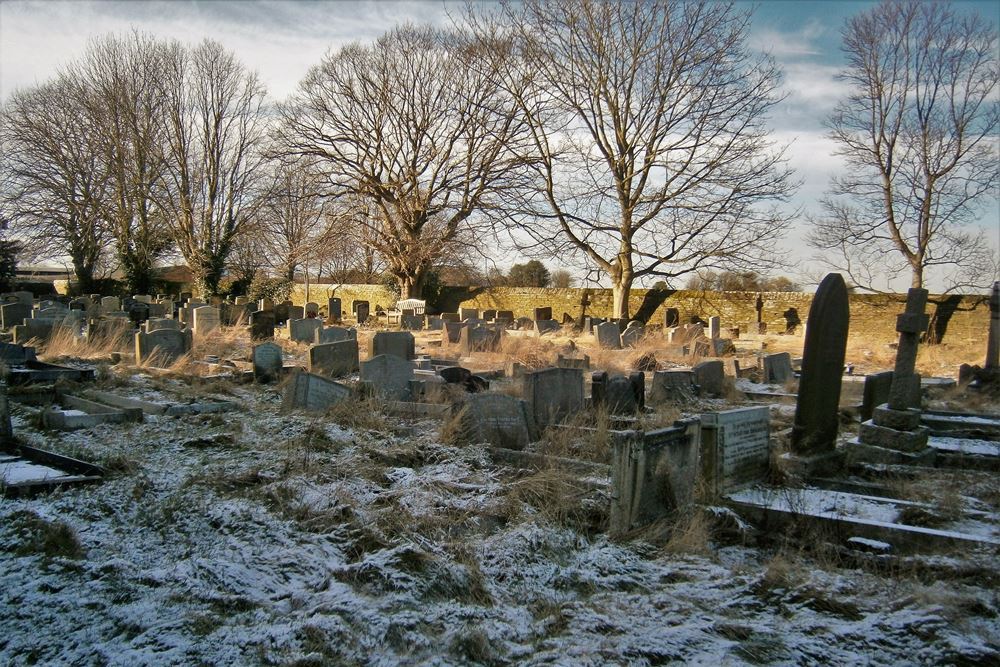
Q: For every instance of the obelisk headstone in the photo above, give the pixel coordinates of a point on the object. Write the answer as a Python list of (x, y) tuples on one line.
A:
[(814, 433)]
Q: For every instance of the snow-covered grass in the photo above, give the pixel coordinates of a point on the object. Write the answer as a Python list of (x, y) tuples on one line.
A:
[(257, 537)]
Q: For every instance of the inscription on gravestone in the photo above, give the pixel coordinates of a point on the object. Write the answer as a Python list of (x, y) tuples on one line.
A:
[(736, 448)]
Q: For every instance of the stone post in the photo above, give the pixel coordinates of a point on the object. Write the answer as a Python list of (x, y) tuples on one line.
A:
[(993, 340)]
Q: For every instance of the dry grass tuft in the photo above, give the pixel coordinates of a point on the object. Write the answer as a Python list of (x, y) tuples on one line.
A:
[(455, 429), (365, 413), (691, 534), (37, 535), (64, 344)]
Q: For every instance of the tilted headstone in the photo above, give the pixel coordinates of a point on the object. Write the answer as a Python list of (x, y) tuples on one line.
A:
[(778, 367), (303, 330), (608, 336), (485, 338), (162, 347), (334, 359), (817, 407), (543, 327), (262, 325), (205, 320), (306, 391), (735, 448), (268, 361), (334, 334), (619, 394), (714, 327), (498, 419), (673, 387), (13, 314), (389, 375), (633, 333), (553, 394), (710, 376), (671, 317), (397, 343)]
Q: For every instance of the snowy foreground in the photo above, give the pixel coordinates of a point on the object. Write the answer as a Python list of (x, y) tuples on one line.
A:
[(260, 538)]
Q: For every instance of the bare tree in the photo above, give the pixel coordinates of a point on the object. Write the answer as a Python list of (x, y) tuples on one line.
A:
[(918, 134), (649, 122), (55, 183), (421, 141), (125, 103), (214, 161)]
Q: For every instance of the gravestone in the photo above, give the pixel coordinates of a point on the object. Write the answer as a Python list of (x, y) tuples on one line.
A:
[(543, 313), (335, 359), (142, 298), (673, 387), (453, 331), (115, 332), (498, 419), (467, 313), (489, 315), (162, 347), (333, 307), (362, 312), (876, 392), (296, 312), (34, 329), (311, 309), (265, 304), (267, 362), (281, 312), (232, 315), (633, 333), (262, 325), (583, 363), (410, 321), (486, 338), (161, 323), (311, 392), (27, 298), (993, 336), (608, 336), (388, 375), (464, 378), (778, 367), (710, 376), (16, 355), (506, 316), (735, 449), (206, 320), (619, 394), (335, 334), (14, 314), (451, 317), (543, 327), (553, 394), (817, 408), (714, 327), (303, 330), (396, 343)]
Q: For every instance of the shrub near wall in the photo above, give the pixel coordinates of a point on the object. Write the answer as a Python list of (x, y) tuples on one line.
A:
[(320, 293), (957, 320)]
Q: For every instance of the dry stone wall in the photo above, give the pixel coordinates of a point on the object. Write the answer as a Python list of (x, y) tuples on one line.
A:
[(957, 320)]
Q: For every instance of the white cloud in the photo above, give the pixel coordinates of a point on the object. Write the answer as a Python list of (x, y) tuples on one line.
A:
[(782, 44)]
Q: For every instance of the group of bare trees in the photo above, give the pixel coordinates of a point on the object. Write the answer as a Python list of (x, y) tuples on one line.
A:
[(630, 137)]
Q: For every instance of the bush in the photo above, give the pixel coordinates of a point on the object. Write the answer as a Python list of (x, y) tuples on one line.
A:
[(275, 289), (530, 274)]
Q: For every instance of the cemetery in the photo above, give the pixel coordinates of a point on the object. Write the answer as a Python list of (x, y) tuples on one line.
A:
[(319, 467)]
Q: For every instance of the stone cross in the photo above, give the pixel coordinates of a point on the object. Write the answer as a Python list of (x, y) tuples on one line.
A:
[(816, 410), (910, 324)]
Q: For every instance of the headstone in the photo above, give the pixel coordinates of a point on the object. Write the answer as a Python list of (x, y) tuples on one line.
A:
[(267, 362), (389, 375), (487, 338), (311, 309), (142, 298), (817, 407), (553, 394), (714, 327), (311, 392), (265, 304), (993, 337), (633, 333), (206, 320), (334, 334), (397, 343), (453, 331), (281, 312), (232, 315), (505, 316), (543, 327), (13, 354), (619, 394), (466, 313), (262, 325), (333, 307), (498, 419), (489, 315), (673, 387), (608, 336), (778, 367), (161, 323), (451, 317), (296, 312), (876, 392), (735, 449), (583, 363), (362, 311), (334, 359), (543, 313), (303, 330), (410, 321), (13, 314), (710, 376), (27, 298), (162, 347), (110, 304)]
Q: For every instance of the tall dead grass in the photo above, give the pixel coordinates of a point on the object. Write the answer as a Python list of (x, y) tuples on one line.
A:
[(65, 344)]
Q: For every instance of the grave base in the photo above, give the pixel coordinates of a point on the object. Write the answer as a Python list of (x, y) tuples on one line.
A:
[(811, 465), (860, 452)]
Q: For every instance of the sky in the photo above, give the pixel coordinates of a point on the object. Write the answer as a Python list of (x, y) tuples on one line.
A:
[(282, 40)]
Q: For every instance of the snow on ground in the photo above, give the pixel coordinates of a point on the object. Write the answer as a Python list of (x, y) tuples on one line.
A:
[(255, 537)]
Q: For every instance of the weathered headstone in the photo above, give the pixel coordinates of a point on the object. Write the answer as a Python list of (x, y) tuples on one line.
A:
[(206, 320), (486, 338), (397, 343), (608, 336), (876, 392), (161, 323), (633, 333), (389, 375), (673, 387), (498, 419), (714, 327), (311, 309), (467, 313), (362, 311), (262, 325), (553, 394), (311, 392), (13, 314), (620, 395), (334, 334), (333, 309), (543, 313), (27, 298), (778, 367), (543, 327), (334, 359), (303, 330), (162, 347), (817, 408), (267, 362), (735, 448), (710, 376), (453, 331)]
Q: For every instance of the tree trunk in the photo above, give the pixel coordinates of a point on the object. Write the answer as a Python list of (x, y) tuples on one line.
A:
[(917, 280), (619, 295), (411, 282)]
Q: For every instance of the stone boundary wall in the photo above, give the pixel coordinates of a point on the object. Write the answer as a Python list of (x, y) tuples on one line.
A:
[(955, 319)]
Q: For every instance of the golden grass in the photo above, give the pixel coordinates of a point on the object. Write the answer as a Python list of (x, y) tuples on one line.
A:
[(63, 344)]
